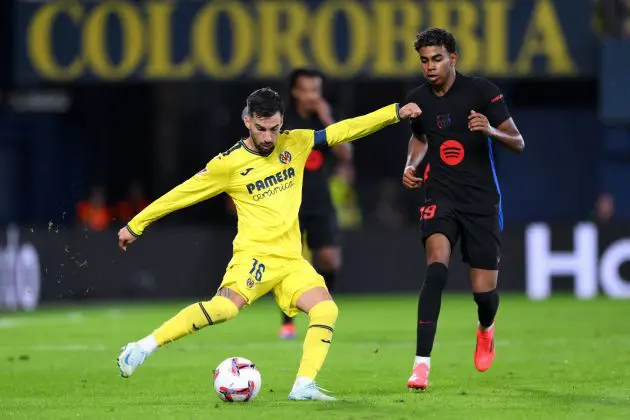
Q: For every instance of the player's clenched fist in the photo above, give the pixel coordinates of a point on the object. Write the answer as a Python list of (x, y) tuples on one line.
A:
[(409, 179), (479, 122), (125, 238), (408, 111)]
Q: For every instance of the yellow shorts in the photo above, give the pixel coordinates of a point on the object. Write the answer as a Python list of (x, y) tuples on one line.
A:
[(253, 277)]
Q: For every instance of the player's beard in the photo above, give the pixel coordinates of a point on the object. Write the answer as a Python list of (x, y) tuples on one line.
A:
[(263, 147)]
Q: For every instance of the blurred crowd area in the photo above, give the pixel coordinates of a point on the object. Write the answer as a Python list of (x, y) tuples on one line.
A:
[(94, 154)]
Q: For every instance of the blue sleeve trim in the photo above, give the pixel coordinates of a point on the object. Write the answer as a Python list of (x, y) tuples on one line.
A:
[(496, 182), (320, 138)]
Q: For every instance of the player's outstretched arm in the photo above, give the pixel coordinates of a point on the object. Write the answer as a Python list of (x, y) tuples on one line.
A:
[(355, 128), (343, 152), (207, 183)]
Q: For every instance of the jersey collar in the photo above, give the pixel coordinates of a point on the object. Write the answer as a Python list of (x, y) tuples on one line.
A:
[(252, 151)]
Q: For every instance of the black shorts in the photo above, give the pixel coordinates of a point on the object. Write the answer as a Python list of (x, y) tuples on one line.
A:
[(321, 228), (480, 234)]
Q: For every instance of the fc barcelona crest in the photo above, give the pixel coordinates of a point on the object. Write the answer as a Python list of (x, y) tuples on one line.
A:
[(443, 121), (285, 157)]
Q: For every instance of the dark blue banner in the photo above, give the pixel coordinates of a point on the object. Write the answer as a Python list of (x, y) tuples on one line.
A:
[(117, 40), (614, 82)]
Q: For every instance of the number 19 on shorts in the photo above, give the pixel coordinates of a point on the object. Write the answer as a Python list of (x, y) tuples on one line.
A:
[(257, 270), (427, 212)]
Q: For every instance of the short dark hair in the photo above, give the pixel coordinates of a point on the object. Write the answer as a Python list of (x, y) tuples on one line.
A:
[(264, 103), (303, 72), (436, 37)]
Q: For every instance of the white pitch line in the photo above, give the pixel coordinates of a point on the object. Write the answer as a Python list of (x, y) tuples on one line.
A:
[(68, 347), (69, 318)]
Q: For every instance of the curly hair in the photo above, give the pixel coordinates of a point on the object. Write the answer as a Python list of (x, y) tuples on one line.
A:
[(264, 103), (435, 37)]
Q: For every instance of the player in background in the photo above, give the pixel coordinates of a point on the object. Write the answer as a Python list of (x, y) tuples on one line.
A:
[(309, 109), (263, 174), (462, 117)]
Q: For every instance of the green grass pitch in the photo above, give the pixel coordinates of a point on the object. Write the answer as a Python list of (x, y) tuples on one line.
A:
[(556, 359)]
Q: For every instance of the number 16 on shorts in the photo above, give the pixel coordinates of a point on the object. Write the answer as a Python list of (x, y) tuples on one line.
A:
[(257, 270), (427, 212)]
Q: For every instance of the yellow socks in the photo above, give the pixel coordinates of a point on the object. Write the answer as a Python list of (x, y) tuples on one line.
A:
[(195, 317), (220, 309), (318, 337)]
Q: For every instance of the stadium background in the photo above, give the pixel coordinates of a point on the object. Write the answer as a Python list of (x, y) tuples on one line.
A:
[(104, 103)]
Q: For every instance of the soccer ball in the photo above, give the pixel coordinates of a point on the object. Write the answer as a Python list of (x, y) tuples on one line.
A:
[(237, 380)]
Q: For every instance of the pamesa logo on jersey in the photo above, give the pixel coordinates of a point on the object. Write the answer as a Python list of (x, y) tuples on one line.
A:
[(273, 184)]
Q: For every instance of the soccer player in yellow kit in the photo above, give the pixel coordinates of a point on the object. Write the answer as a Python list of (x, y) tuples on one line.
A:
[(263, 175)]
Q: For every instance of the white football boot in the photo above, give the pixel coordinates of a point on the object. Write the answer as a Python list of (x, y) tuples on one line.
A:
[(310, 392), (131, 357)]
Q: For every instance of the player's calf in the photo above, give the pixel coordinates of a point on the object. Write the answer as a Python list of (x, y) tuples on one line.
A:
[(195, 317), (487, 307), (323, 317)]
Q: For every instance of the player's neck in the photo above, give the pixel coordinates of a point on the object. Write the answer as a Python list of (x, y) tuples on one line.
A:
[(446, 86)]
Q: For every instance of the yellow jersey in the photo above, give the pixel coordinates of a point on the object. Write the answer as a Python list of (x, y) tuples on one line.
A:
[(266, 189)]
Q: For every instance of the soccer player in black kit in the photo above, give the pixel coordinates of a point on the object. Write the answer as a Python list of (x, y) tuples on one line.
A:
[(462, 118), (309, 109)]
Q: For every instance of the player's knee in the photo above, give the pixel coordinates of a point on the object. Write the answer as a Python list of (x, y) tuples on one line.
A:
[(436, 277), (219, 309), (484, 283), (438, 249), (324, 313), (438, 256)]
